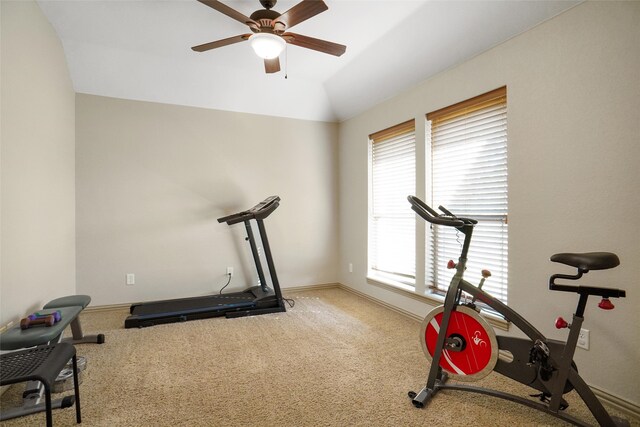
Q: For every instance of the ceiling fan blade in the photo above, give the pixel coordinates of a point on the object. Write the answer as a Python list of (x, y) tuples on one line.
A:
[(220, 43), (301, 12), (231, 13), (315, 44), (272, 65)]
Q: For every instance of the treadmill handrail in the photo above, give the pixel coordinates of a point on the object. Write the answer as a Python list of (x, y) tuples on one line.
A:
[(259, 211)]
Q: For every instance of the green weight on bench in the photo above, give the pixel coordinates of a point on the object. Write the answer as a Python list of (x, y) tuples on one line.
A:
[(76, 329)]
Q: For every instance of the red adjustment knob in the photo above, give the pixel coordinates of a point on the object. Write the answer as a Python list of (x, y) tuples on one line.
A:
[(561, 323), (485, 273), (451, 264), (605, 304)]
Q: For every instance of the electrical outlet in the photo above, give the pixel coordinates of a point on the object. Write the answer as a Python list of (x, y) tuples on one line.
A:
[(229, 271), (131, 279), (583, 339)]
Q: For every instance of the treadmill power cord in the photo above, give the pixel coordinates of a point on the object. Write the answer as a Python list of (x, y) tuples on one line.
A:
[(228, 281)]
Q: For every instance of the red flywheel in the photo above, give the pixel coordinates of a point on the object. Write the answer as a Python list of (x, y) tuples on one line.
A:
[(477, 352)]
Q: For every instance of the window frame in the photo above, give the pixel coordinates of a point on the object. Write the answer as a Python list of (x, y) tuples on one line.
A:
[(394, 135)]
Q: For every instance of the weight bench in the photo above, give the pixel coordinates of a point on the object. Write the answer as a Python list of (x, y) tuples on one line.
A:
[(17, 338)]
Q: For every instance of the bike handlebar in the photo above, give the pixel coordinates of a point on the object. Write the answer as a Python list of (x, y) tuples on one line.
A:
[(428, 214)]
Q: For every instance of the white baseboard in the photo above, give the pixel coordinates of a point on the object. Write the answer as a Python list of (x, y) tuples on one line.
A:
[(311, 287), (380, 302), (7, 326), (629, 409), (108, 307)]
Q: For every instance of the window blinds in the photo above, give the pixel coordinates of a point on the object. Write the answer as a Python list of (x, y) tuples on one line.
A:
[(469, 177), (392, 222)]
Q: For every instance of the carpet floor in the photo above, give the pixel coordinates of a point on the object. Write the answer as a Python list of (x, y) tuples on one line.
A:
[(335, 359)]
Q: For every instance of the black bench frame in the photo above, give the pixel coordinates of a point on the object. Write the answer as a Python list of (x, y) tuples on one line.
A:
[(41, 363)]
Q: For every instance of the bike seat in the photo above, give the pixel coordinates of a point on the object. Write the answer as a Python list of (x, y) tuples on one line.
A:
[(588, 261)]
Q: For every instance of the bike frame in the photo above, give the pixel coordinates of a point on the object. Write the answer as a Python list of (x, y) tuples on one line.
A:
[(565, 371)]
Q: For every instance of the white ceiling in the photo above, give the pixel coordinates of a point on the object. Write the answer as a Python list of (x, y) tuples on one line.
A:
[(141, 50)]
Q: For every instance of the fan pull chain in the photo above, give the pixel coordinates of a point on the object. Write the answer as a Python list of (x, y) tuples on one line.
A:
[(286, 60)]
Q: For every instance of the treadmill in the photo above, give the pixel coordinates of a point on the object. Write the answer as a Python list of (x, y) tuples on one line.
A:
[(256, 300)]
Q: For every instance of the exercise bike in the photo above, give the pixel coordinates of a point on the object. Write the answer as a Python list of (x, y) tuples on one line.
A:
[(462, 345)]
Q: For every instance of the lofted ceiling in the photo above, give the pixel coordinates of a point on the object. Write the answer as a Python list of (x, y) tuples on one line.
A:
[(141, 50)]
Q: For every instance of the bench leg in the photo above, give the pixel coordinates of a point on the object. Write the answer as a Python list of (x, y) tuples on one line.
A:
[(76, 388), (78, 336), (47, 396)]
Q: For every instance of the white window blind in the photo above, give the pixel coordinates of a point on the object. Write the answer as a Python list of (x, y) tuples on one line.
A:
[(392, 223), (469, 178)]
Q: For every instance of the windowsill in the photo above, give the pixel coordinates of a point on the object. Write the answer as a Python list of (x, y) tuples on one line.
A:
[(384, 281), (430, 298)]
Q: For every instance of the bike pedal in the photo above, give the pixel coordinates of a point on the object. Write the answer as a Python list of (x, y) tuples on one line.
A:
[(544, 398)]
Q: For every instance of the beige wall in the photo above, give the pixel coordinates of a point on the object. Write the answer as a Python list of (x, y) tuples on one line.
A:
[(153, 178), (574, 128), (37, 194)]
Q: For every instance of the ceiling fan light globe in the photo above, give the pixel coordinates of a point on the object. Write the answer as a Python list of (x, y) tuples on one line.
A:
[(266, 45)]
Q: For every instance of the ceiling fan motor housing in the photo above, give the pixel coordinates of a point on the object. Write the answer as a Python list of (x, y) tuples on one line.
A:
[(265, 19)]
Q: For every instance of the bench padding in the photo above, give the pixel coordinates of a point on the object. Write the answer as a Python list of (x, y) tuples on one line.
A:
[(16, 338), (69, 301)]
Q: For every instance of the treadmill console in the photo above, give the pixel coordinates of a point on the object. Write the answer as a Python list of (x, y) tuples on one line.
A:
[(259, 211)]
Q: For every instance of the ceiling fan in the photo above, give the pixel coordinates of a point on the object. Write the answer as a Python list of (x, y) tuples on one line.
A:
[(269, 29)]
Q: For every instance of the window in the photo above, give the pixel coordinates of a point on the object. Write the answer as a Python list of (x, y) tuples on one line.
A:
[(391, 221), (469, 177), (466, 172)]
